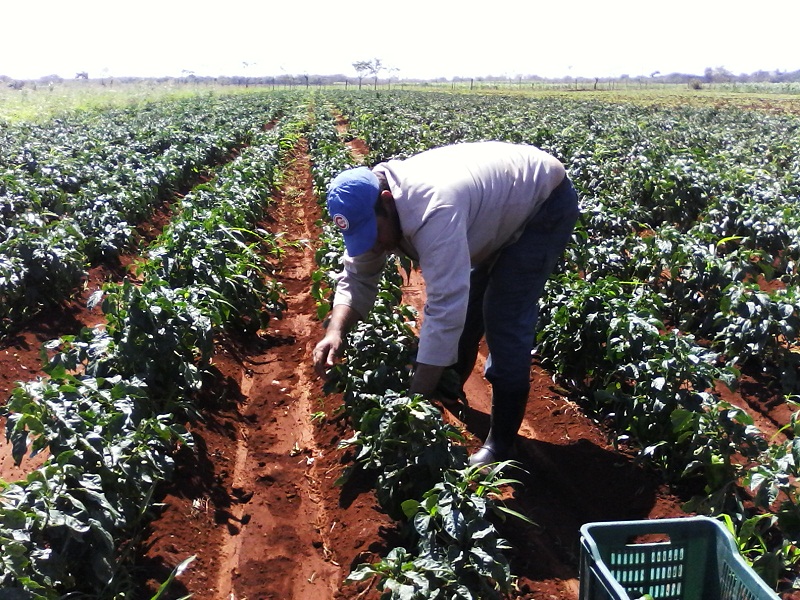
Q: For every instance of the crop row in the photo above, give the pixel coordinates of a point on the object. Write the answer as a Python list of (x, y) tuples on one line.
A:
[(115, 406), (72, 189), (419, 464), (683, 271)]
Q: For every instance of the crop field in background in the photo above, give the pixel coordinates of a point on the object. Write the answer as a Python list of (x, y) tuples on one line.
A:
[(165, 267)]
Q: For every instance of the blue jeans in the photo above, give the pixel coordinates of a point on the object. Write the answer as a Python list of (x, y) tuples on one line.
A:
[(504, 294)]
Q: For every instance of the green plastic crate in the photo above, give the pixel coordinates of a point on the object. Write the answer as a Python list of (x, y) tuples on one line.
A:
[(698, 561)]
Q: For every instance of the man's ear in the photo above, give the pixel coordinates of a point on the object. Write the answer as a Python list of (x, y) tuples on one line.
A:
[(387, 200)]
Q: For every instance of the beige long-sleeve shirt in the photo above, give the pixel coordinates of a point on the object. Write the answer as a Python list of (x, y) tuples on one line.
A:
[(458, 205)]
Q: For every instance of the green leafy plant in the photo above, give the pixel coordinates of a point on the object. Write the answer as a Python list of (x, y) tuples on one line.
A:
[(110, 416), (458, 548), (406, 576), (406, 442)]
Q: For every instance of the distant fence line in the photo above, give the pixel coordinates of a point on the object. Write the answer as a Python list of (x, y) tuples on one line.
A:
[(460, 83)]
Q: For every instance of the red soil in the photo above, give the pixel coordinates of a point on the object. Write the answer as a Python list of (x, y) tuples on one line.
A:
[(257, 503)]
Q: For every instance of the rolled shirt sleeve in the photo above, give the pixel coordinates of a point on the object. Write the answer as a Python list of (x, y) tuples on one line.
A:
[(357, 286)]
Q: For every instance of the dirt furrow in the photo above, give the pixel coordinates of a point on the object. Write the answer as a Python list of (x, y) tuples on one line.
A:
[(284, 532), (256, 502)]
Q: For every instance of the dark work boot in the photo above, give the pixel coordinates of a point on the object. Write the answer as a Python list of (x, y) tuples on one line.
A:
[(508, 410)]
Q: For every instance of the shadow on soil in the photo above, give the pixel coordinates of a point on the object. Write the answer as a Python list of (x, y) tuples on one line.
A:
[(561, 487)]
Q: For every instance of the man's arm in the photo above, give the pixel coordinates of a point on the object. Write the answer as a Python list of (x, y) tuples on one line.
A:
[(329, 350), (355, 294)]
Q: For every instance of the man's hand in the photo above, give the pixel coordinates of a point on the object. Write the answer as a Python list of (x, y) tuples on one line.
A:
[(327, 353), (425, 380)]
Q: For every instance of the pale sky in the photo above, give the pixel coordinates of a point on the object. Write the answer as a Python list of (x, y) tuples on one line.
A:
[(418, 38)]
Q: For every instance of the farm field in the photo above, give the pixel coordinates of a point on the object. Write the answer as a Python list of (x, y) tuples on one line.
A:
[(179, 252)]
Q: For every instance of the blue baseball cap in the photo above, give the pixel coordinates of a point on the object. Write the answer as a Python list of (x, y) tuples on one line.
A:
[(352, 195)]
